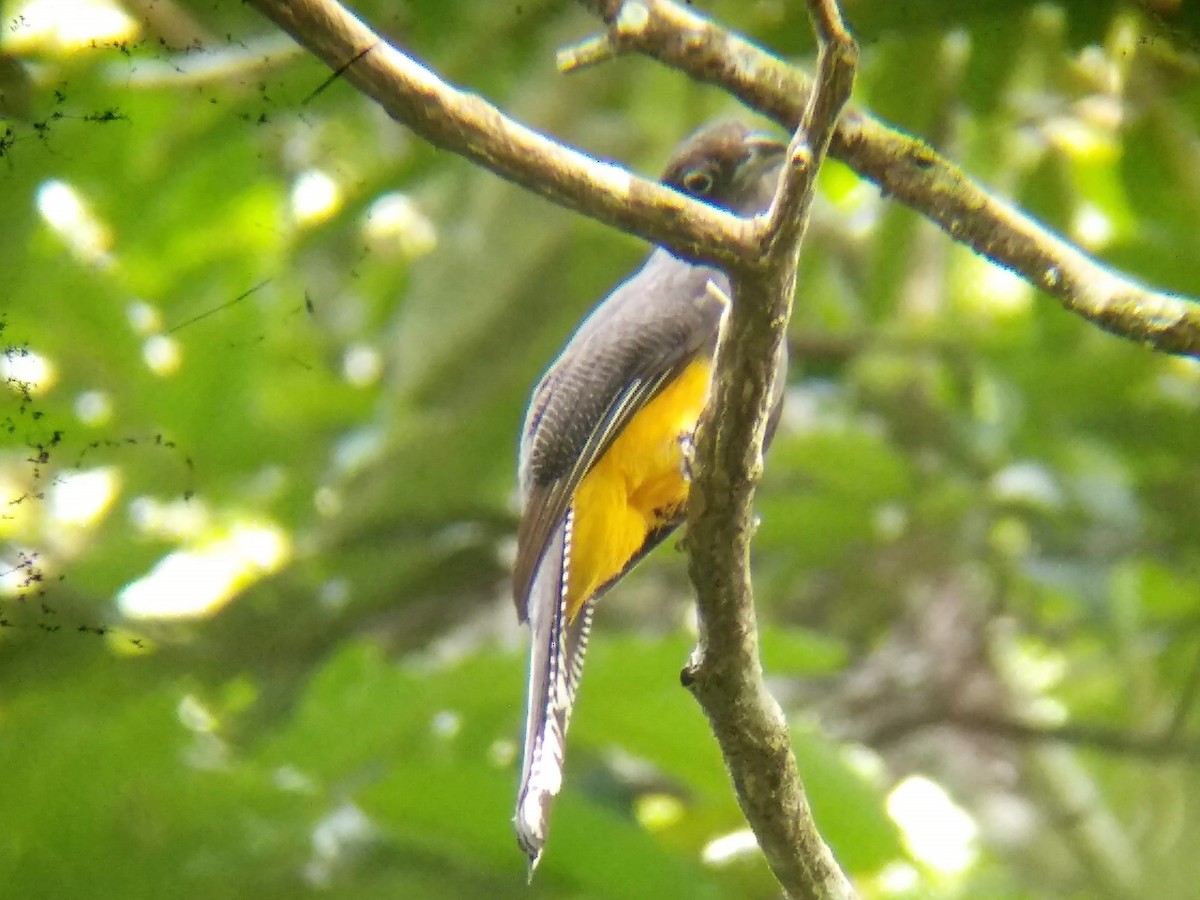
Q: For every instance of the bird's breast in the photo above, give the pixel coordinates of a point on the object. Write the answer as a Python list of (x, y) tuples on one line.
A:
[(636, 486)]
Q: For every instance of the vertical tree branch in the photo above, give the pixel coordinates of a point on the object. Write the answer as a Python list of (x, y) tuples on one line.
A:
[(725, 673)]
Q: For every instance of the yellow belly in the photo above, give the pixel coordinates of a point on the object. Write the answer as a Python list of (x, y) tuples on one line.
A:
[(636, 486)]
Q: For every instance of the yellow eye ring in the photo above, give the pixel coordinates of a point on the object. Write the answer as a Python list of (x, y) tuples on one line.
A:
[(698, 182)]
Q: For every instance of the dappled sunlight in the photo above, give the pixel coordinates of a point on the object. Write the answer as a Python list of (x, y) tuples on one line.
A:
[(1083, 139), (1034, 669), (315, 198), (1028, 482), (162, 355), (446, 724), (657, 811), (217, 65), (144, 318), (731, 847), (65, 26), (855, 202), (68, 214), (175, 520), (362, 365), (195, 716), (939, 833), (27, 372), (338, 835), (988, 290), (1092, 226), (93, 408), (199, 581), (897, 879), (79, 499), (395, 225)]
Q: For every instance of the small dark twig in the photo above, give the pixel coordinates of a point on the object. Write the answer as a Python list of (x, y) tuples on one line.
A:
[(1168, 745), (216, 309)]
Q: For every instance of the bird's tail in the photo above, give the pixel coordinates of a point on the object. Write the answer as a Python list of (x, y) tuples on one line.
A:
[(555, 665)]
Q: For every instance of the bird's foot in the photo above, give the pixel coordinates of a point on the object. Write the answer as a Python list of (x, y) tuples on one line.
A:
[(687, 456)]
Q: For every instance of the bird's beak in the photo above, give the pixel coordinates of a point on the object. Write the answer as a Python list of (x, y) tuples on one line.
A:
[(765, 153), (765, 146)]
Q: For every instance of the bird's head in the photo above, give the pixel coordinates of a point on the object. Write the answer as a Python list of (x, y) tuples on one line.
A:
[(728, 165)]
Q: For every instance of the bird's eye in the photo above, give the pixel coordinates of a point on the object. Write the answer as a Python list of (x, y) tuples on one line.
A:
[(698, 182)]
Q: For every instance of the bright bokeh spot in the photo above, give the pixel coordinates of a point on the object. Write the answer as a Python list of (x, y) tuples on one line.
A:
[(1033, 666), (1080, 139), (898, 879), (93, 407), (656, 811), (26, 371), (1028, 482), (63, 26), (144, 318), (1179, 381), (990, 290), (78, 499), (315, 197), (176, 520), (396, 225), (69, 216), (446, 724), (727, 848), (502, 753), (1092, 227), (362, 365), (938, 832), (198, 582), (195, 716), (162, 355), (340, 833)]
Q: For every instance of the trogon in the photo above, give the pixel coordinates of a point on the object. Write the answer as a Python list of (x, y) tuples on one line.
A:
[(603, 460)]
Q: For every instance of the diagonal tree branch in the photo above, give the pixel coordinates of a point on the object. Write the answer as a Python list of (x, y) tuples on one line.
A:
[(725, 672), (468, 125), (904, 167)]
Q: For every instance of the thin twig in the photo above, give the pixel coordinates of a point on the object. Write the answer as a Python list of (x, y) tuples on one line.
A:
[(1096, 737)]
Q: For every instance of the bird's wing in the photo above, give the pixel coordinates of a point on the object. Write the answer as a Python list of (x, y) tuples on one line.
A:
[(546, 504), (637, 342)]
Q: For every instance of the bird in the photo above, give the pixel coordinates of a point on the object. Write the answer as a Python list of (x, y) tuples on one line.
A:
[(603, 464)]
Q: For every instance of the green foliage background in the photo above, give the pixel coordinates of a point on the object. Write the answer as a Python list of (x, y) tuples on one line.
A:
[(973, 514)]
